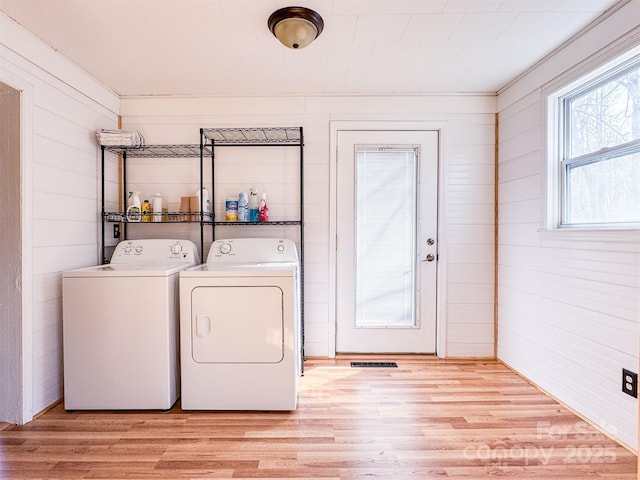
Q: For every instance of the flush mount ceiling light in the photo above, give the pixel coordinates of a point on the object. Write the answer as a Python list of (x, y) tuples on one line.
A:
[(295, 27)]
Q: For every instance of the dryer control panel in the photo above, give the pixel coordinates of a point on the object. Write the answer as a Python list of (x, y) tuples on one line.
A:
[(155, 250), (252, 250)]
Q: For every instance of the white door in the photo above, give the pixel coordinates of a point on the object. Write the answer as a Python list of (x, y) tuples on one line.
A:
[(387, 241)]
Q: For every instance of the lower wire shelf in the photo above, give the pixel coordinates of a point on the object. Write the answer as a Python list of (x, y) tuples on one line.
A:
[(270, 222), (158, 218), (184, 217)]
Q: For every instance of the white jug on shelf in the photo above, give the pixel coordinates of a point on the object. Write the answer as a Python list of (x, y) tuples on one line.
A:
[(204, 202), (156, 206)]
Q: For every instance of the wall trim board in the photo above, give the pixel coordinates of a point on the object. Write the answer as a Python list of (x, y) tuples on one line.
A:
[(10, 286), (334, 105), (26, 225), (496, 230)]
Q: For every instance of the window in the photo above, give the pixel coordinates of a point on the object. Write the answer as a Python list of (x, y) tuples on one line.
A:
[(598, 147)]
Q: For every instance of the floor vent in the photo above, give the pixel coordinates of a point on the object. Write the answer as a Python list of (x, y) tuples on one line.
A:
[(374, 365)]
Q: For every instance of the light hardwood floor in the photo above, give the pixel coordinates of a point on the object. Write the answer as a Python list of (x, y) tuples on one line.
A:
[(426, 419)]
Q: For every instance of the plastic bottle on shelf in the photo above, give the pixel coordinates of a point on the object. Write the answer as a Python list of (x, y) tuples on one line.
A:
[(156, 207), (243, 207), (134, 208), (147, 213), (203, 199), (253, 205), (231, 207), (263, 211)]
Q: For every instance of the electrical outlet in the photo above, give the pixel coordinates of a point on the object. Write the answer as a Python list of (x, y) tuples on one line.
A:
[(116, 230), (630, 383)]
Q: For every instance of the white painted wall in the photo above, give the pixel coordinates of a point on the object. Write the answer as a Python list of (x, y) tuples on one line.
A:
[(466, 250), (61, 109), (569, 301)]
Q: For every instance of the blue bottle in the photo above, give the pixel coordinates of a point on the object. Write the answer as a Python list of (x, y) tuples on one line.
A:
[(253, 205)]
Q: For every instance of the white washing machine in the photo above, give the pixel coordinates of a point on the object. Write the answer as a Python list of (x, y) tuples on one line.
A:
[(120, 327), (240, 327)]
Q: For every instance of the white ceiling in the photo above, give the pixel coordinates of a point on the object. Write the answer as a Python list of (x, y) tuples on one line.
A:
[(223, 47)]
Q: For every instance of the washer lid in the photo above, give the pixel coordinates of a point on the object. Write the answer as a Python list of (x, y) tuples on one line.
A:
[(128, 270)]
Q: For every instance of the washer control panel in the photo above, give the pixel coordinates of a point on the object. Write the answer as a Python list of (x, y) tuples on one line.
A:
[(155, 250)]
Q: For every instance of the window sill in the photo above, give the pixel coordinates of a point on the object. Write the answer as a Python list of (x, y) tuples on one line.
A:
[(551, 237)]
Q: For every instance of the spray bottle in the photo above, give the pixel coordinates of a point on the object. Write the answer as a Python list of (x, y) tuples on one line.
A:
[(263, 211), (134, 208)]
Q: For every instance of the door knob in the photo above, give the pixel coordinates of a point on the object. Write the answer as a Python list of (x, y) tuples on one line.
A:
[(430, 257)]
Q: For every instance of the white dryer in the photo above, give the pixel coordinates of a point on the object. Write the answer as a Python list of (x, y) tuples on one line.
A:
[(120, 327), (240, 327)]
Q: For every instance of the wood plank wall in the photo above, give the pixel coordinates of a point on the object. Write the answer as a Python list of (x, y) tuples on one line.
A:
[(569, 307)]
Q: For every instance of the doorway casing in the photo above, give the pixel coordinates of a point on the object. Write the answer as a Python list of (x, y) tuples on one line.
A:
[(335, 128), (17, 406)]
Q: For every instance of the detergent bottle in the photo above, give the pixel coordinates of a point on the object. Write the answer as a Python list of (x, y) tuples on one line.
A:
[(147, 212)]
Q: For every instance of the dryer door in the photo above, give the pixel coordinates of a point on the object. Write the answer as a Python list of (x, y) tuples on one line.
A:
[(237, 324)]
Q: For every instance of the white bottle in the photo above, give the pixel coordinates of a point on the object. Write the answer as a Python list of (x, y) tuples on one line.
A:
[(156, 207), (134, 208), (243, 207), (203, 202)]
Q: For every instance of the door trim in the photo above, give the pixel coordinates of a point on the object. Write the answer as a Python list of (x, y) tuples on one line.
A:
[(334, 128), (24, 410)]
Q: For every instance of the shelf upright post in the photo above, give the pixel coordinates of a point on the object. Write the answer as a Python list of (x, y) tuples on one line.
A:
[(201, 197), (302, 246), (102, 247), (212, 197), (124, 193)]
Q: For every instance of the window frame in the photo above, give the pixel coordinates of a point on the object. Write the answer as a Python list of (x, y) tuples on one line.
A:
[(558, 146)]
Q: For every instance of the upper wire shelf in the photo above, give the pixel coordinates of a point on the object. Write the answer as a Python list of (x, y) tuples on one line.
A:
[(159, 151), (254, 136)]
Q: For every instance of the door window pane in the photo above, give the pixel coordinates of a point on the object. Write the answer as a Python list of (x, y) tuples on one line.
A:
[(386, 205)]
